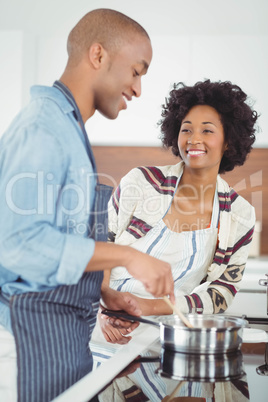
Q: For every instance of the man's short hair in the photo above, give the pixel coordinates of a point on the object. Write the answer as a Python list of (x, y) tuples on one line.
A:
[(108, 27)]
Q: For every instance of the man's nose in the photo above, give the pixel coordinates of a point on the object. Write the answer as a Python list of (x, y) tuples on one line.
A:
[(136, 88)]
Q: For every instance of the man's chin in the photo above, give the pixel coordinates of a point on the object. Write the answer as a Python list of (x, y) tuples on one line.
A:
[(109, 115)]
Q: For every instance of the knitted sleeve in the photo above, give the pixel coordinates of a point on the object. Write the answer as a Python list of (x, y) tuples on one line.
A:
[(222, 283), (221, 291), (123, 204)]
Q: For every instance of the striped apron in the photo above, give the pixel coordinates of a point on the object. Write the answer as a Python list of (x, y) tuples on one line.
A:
[(189, 253), (52, 329)]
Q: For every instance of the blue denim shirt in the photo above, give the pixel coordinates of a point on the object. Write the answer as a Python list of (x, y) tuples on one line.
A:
[(46, 194)]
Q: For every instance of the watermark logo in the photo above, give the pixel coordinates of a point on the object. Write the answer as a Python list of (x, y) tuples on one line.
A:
[(251, 188), (72, 204)]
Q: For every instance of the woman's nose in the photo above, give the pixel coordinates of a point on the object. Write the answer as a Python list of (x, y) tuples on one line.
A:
[(194, 139)]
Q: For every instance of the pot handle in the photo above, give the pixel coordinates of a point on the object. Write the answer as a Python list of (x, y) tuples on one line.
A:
[(128, 317)]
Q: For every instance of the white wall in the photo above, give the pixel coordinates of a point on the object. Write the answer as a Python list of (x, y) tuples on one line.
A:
[(10, 75), (192, 40)]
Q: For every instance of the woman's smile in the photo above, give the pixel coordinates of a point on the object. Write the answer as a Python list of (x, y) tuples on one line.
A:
[(195, 152)]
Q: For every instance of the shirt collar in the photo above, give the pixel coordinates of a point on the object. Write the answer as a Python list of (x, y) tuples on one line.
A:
[(39, 91)]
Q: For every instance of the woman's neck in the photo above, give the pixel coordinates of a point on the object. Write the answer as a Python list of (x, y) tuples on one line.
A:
[(201, 185)]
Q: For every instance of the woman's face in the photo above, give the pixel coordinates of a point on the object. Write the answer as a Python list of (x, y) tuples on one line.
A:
[(201, 138)]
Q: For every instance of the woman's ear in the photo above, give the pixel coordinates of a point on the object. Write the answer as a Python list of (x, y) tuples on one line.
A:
[(96, 55)]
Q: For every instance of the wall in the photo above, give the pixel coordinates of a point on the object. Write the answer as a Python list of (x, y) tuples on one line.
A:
[(10, 75), (249, 180), (192, 40)]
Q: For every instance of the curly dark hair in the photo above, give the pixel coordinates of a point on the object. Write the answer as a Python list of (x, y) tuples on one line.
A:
[(237, 117)]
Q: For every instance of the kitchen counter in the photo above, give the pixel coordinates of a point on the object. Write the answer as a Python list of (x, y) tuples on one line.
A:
[(251, 301), (162, 373)]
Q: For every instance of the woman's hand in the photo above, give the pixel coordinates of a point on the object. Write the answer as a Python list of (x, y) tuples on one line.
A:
[(115, 300), (116, 334), (134, 305), (115, 328)]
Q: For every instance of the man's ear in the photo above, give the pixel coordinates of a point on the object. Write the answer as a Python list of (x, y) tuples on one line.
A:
[(96, 55)]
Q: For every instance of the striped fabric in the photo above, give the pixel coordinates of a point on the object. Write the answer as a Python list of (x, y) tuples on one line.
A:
[(134, 394), (59, 325), (143, 198), (115, 199), (162, 184), (138, 227)]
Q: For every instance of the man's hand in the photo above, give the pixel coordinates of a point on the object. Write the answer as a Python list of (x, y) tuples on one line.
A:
[(153, 273)]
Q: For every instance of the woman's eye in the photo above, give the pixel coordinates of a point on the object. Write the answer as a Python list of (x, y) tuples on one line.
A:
[(207, 131), (185, 130), (136, 74)]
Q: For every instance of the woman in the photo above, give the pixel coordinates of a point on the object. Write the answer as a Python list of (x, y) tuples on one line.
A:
[(186, 213)]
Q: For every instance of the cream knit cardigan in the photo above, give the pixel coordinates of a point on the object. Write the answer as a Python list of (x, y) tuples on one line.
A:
[(141, 200)]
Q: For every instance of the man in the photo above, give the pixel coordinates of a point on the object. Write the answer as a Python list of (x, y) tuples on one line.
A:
[(53, 232)]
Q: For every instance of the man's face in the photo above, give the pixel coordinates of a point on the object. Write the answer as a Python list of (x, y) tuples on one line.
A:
[(120, 78)]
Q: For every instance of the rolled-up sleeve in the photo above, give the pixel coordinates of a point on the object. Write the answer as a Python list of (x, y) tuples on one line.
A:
[(77, 252)]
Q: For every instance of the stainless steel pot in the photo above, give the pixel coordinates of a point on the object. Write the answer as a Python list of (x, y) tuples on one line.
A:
[(211, 333), (201, 367)]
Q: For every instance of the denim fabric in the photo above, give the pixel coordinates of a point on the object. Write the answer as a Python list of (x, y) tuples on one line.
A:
[(47, 187)]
